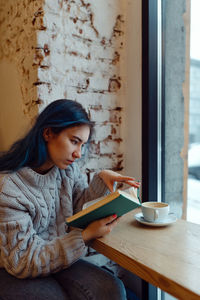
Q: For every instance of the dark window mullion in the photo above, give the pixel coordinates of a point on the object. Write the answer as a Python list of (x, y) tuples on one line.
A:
[(149, 100), (149, 111)]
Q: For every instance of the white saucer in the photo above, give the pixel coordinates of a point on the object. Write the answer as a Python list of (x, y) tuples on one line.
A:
[(169, 220)]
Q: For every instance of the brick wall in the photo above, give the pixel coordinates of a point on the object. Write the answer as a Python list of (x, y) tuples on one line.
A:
[(71, 49)]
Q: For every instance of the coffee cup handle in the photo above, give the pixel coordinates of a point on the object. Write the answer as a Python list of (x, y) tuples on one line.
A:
[(156, 214)]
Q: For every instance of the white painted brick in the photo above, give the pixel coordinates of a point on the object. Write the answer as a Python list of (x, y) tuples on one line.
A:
[(102, 162), (107, 100), (109, 147), (101, 132), (53, 22), (53, 6), (97, 82), (110, 11), (99, 116)]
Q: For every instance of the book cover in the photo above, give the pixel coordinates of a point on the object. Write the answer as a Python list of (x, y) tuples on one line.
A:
[(118, 202)]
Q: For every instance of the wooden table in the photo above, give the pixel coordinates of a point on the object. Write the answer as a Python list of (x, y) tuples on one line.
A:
[(167, 257)]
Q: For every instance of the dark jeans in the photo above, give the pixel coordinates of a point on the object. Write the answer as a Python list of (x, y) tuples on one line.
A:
[(81, 281)]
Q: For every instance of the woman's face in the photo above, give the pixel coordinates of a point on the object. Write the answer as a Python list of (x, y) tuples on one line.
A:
[(65, 147)]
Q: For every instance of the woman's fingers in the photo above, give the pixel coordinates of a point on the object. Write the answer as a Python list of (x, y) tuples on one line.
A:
[(108, 220), (134, 183), (109, 177), (124, 178), (113, 224), (129, 180)]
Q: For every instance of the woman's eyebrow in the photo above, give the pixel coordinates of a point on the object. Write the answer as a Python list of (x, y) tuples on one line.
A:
[(76, 137)]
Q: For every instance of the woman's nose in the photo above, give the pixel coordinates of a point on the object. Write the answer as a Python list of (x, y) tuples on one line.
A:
[(77, 153)]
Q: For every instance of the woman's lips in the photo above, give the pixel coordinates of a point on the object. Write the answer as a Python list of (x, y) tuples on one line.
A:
[(70, 161)]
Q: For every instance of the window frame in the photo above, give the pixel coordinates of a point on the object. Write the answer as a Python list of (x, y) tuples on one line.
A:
[(153, 110)]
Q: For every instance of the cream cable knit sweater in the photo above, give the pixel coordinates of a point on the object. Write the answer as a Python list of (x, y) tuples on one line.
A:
[(33, 208)]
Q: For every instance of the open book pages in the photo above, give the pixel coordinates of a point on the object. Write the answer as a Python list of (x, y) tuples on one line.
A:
[(131, 191)]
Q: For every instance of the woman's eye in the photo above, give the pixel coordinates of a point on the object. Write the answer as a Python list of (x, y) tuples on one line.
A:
[(74, 142)]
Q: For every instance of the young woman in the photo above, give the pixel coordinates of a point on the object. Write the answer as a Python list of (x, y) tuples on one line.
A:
[(41, 186)]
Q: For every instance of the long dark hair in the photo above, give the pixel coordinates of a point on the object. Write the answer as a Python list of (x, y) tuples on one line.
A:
[(31, 150)]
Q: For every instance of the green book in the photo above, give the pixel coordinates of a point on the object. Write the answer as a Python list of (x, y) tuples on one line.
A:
[(119, 203)]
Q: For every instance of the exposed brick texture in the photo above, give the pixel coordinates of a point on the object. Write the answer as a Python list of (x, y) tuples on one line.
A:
[(70, 49)]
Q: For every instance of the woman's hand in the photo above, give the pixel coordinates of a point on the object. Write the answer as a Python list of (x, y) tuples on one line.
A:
[(109, 177), (99, 228)]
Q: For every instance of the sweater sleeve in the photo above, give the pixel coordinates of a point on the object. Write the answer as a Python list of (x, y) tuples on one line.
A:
[(24, 253), (82, 192)]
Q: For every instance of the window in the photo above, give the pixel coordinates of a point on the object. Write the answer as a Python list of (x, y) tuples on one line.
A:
[(165, 107), (193, 190)]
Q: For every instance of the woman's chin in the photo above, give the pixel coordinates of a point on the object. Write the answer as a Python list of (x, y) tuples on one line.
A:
[(63, 166)]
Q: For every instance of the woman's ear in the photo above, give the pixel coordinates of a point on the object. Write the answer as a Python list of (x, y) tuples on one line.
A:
[(47, 134)]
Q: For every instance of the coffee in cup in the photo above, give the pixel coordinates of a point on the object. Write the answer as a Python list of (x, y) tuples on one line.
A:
[(155, 211)]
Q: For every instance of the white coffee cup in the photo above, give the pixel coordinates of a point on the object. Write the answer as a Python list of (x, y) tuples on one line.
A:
[(155, 211)]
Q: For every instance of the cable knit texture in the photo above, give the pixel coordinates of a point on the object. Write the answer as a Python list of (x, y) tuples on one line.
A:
[(34, 239)]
